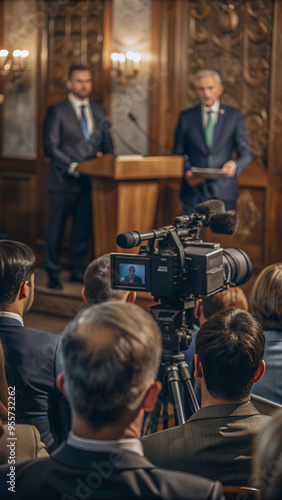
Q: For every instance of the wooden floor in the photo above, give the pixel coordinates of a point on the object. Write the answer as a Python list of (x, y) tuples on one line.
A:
[(45, 322)]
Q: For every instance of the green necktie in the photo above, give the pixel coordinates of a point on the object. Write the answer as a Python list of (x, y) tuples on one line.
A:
[(209, 130)]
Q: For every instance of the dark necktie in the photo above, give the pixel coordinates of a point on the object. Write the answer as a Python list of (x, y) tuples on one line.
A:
[(83, 123), (209, 130)]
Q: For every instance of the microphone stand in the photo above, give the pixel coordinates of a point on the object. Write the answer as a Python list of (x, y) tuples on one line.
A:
[(149, 136)]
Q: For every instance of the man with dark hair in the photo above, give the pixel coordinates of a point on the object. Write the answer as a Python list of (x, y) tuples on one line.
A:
[(111, 354), (97, 283), (209, 305), (17, 274), (32, 356), (75, 130), (216, 441)]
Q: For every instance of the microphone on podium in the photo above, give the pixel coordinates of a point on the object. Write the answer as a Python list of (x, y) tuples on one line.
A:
[(109, 124), (133, 118)]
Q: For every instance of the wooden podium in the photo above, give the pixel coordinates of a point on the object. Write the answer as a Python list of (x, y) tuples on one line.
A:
[(125, 191)]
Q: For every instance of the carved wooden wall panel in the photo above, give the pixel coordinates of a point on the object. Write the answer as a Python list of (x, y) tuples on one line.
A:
[(235, 39), (242, 40), (75, 36)]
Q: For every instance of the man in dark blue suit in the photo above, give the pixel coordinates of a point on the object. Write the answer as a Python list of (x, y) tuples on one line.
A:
[(32, 356), (207, 135), (74, 131), (111, 354)]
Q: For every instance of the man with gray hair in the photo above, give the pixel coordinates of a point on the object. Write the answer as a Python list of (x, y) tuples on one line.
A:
[(207, 135), (110, 354)]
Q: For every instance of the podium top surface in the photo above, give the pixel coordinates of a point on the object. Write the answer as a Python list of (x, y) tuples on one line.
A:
[(133, 167)]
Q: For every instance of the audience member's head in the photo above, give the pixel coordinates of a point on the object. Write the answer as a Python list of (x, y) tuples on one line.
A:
[(267, 459), (229, 355), (17, 263), (3, 392), (97, 283), (110, 354), (233, 297), (266, 297)]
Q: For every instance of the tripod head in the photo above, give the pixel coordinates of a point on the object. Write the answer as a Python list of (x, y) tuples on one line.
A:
[(175, 320)]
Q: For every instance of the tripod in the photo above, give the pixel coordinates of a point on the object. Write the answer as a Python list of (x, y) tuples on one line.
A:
[(174, 372)]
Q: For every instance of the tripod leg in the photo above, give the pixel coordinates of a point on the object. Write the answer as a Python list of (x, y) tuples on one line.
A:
[(187, 380), (165, 412), (146, 424), (156, 415), (175, 395), (154, 418)]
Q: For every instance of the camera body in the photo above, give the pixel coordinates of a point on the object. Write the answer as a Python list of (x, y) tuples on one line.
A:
[(177, 272), (159, 271)]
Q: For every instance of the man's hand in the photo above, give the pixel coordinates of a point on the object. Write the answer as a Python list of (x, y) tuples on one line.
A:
[(99, 154), (229, 168), (193, 180), (72, 169)]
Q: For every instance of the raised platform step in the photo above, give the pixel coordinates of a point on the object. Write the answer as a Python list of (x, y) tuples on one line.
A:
[(65, 303)]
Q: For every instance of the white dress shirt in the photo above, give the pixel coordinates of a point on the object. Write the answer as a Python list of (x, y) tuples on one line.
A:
[(215, 108), (76, 104), (6, 314), (117, 446), (205, 110)]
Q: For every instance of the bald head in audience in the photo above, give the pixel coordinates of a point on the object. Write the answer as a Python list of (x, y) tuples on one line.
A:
[(110, 353)]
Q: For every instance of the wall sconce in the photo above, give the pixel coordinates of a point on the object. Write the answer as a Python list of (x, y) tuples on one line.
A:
[(14, 66), (126, 66)]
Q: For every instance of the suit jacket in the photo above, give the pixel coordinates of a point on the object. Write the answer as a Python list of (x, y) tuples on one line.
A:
[(136, 279), (32, 366), (27, 444), (64, 143), (270, 385), (71, 473), (215, 443), (229, 135)]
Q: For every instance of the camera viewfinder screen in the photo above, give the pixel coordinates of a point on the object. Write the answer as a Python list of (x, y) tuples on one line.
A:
[(132, 274)]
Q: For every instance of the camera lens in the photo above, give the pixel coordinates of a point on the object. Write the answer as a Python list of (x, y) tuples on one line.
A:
[(237, 266)]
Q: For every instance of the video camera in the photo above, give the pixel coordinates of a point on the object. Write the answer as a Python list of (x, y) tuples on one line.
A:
[(182, 268)]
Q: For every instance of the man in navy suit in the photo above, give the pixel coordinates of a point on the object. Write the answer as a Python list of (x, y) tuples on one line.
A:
[(32, 356), (207, 135), (111, 354), (74, 130)]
